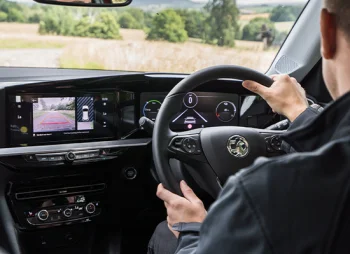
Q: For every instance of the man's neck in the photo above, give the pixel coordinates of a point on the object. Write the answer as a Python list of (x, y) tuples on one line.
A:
[(342, 70)]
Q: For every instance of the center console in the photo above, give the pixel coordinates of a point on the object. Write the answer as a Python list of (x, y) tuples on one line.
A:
[(64, 152), (37, 204)]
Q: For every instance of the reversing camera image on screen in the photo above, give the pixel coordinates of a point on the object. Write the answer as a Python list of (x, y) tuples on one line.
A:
[(85, 113), (54, 114)]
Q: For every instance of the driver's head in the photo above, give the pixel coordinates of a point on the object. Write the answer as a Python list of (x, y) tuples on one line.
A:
[(335, 30)]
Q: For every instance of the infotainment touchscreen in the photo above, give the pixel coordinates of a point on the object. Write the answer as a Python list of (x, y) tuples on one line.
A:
[(37, 119)]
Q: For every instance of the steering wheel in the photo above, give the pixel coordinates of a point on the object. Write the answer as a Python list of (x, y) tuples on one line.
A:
[(213, 153)]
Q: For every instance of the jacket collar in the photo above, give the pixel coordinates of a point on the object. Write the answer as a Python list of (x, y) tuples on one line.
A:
[(332, 123)]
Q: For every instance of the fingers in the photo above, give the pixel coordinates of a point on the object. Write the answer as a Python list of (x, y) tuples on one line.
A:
[(274, 77), (256, 88), (188, 193), (164, 194)]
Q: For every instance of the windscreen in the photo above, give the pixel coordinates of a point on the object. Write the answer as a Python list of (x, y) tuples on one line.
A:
[(149, 35)]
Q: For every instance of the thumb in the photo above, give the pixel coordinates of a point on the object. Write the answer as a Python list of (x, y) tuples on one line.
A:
[(188, 192), (256, 88)]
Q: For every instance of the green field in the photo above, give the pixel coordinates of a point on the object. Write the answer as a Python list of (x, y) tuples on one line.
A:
[(284, 26), (259, 9), (25, 44), (71, 63)]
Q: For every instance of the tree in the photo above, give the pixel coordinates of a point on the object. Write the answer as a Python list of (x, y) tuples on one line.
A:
[(62, 22), (252, 31), (49, 25), (15, 15), (82, 27), (70, 105), (139, 17), (60, 106), (222, 22), (128, 21), (148, 19), (67, 23), (105, 27), (43, 104), (57, 21), (34, 18), (285, 13), (194, 22), (3, 16), (168, 25)]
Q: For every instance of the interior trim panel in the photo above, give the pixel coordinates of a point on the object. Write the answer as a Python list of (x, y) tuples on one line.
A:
[(14, 151)]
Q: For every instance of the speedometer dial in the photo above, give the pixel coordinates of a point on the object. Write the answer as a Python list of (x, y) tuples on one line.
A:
[(151, 109), (225, 111)]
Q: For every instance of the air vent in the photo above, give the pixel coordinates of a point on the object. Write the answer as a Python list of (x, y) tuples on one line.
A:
[(286, 65), (60, 191)]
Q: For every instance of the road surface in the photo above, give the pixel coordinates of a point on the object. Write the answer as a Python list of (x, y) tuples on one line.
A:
[(53, 121), (30, 57)]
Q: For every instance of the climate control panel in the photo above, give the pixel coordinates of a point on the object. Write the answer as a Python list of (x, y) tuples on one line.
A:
[(81, 212), (44, 203), (68, 156)]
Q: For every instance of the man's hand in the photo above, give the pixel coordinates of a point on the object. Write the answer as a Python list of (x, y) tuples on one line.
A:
[(182, 209), (285, 96)]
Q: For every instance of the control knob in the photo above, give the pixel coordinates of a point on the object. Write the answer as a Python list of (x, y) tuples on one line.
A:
[(90, 208), (43, 215), (67, 212), (70, 156)]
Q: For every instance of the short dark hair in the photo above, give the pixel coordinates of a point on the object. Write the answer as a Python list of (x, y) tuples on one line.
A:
[(341, 8)]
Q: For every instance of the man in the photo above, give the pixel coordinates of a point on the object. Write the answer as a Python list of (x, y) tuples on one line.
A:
[(297, 203)]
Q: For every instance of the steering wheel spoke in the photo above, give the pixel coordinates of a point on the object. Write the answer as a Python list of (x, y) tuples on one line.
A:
[(273, 142), (186, 147)]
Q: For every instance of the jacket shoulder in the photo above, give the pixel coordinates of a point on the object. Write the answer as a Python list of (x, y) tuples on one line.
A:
[(298, 197)]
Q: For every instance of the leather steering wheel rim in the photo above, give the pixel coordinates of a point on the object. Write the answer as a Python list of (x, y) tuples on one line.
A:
[(172, 103)]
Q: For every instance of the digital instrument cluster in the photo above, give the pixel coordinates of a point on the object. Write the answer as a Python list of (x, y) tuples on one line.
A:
[(199, 109)]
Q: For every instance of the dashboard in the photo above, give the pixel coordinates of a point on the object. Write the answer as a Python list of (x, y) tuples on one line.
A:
[(108, 109), (71, 148), (199, 109)]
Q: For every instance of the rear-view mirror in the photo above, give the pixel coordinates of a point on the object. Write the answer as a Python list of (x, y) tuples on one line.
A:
[(91, 3)]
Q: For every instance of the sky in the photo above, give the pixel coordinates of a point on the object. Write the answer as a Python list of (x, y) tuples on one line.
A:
[(251, 2), (240, 2), (243, 2), (55, 101)]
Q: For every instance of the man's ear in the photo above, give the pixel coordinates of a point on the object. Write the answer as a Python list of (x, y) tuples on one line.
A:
[(328, 34)]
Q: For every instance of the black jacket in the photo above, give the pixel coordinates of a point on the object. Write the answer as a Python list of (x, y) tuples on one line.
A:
[(297, 203)]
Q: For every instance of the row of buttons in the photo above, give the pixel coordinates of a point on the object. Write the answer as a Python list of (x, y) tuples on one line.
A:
[(87, 155), (273, 144), (43, 158), (187, 144), (59, 157), (62, 214)]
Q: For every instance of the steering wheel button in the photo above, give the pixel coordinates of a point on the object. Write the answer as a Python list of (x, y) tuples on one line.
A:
[(276, 143)]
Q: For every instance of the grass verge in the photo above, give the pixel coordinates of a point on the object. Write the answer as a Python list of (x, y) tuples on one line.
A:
[(70, 63), (39, 113), (25, 44), (69, 114)]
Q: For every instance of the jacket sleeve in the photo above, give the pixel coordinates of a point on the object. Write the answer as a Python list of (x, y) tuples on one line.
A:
[(231, 226), (304, 118)]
